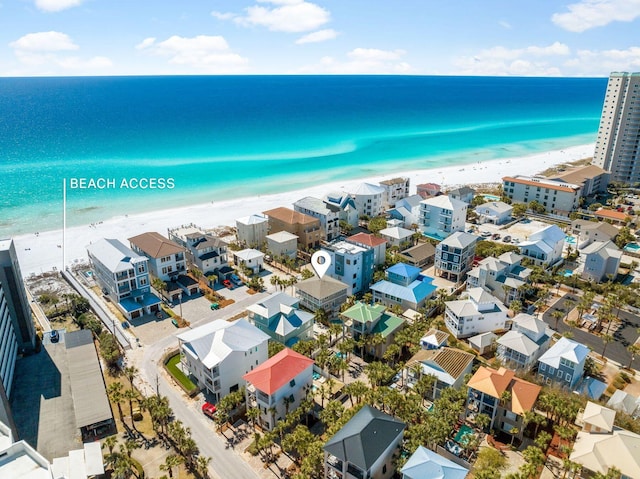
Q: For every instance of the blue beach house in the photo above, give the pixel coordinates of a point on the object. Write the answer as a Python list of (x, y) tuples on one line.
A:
[(563, 363), (403, 286)]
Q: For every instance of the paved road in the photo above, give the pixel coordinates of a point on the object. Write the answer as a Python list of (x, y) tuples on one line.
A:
[(623, 337), (225, 463)]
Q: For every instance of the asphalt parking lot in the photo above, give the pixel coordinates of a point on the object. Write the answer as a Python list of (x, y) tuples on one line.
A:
[(42, 403)]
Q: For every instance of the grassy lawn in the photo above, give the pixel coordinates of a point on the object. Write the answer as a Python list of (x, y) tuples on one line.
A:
[(172, 367)]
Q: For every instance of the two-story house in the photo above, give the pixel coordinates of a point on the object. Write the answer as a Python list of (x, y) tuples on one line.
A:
[(370, 320), (218, 354), (440, 216), (504, 276), (464, 193), (365, 447), (252, 259), (407, 210), (448, 365), (123, 276), (563, 363), (454, 256), (401, 238), (352, 264), (278, 386), (589, 231), (502, 396), (322, 293), (496, 212), (544, 247), (479, 313), (328, 214), (280, 317), (601, 261), (528, 339), (404, 286)]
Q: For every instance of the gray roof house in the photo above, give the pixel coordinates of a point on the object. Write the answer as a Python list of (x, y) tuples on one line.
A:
[(522, 346), (364, 447)]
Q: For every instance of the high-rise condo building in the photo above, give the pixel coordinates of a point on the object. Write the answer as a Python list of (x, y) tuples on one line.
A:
[(619, 132)]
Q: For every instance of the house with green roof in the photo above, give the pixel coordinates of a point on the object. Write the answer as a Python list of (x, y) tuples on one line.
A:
[(372, 320), (364, 447)]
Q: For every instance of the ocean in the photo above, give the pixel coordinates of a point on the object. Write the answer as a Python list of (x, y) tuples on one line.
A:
[(133, 144)]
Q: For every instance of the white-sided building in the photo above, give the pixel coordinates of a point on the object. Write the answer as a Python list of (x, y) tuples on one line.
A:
[(454, 256), (557, 196), (166, 258), (395, 190), (328, 214), (204, 251), (496, 212), (282, 243), (352, 264), (464, 193), (601, 260), (589, 231), (448, 365), (252, 230), (503, 276), (367, 240), (440, 216), (219, 353), (278, 386), (544, 247), (369, 199), (407, 210), (279, 315), (401, 238), (479, 313), (348, 210), (249, 258), (528, 339)]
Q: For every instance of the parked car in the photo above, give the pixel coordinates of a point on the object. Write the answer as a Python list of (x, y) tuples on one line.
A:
[(236, 279), (209, 409), (485, 234), (495, 236), (516, 240), (227, 284), (55, 336), (507, 239)]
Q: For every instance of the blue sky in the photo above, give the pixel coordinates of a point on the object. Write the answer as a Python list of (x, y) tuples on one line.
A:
[(421, 37)]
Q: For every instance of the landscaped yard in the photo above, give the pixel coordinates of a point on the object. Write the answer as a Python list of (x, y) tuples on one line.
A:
[(174, 370)]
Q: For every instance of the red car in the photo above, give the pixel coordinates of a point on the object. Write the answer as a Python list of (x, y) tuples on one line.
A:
[(227, 284), (209, 409)]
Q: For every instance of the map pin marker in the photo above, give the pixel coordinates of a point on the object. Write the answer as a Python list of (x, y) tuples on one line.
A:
[(320, 262)]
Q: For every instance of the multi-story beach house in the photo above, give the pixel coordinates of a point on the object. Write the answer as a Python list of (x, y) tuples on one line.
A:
[(601, 261), (365, 447), (404, 286), (324, 293), (464, 193), (166, 258), (424, 464), (528, 339), (367, 240), (441, 216), (557, 196), (400, 238), (348, 211), (479, 313), (279, 315), (504, 276), (434, 339), (282, 244), (252, 259), (123, 276), (395, 190), (352, 264), (618, 134), (17, 331), (252, 230), (563, 363), (328, 214), (420, 255), (502, 396), (544, 247), (369, 199), (204, 251), (407, 210), (449, 366), (496, 212), (218, 354), (308, 229), (278, 386), (589, 231), (370, 320), (454, 256)]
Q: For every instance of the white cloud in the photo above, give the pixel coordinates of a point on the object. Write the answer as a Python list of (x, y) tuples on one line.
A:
[(505, 25), (588, 14), (529, 61), (57, 5), (44, 42), (291, 16), (601, 62), (319, 36), (362, 61), (223, 16), (206, 53)]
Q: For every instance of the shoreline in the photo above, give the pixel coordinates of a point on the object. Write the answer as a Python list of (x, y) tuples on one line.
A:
[(41, 252)]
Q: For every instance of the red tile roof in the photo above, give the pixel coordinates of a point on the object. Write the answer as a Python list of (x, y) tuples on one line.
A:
[(612, 214), (366, 239), (278, 371)]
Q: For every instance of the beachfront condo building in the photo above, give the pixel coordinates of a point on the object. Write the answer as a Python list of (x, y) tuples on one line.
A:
[(352, 264), (454, 256), (394, 190), (618, 138), (17, 332), (252, 230), (556, 195), (328, 214), (440, 216), (369, 200), (308, 229), (592, 178), (123, 276)]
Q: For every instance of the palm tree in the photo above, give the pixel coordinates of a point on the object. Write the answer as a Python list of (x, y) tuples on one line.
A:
[(482, 421), (130, 373), (202, 466), (115, 394), (514, 432), (606, 339), (131, 395), (253, 413), (110, 443), (557, 315), (633, 350), (170, 462)]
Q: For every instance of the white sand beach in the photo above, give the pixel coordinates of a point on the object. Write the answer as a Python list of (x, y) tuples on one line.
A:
[(42, 252)]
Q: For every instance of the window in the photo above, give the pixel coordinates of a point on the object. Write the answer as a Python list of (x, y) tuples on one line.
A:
[(568, 378), (384, 469), (292, 382), (559, 373)]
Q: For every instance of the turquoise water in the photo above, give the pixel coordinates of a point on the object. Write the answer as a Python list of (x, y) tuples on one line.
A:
[(492, 197), (570, 239), (632, 247), (231, 137)]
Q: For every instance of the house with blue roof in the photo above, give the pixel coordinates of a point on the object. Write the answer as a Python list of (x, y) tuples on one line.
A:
[(563, 363), (426, 464), (404, 286)]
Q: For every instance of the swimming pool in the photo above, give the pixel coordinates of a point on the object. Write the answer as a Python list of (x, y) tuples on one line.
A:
[(632, 248), (491, 197), (570, 239), (567, 273)]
